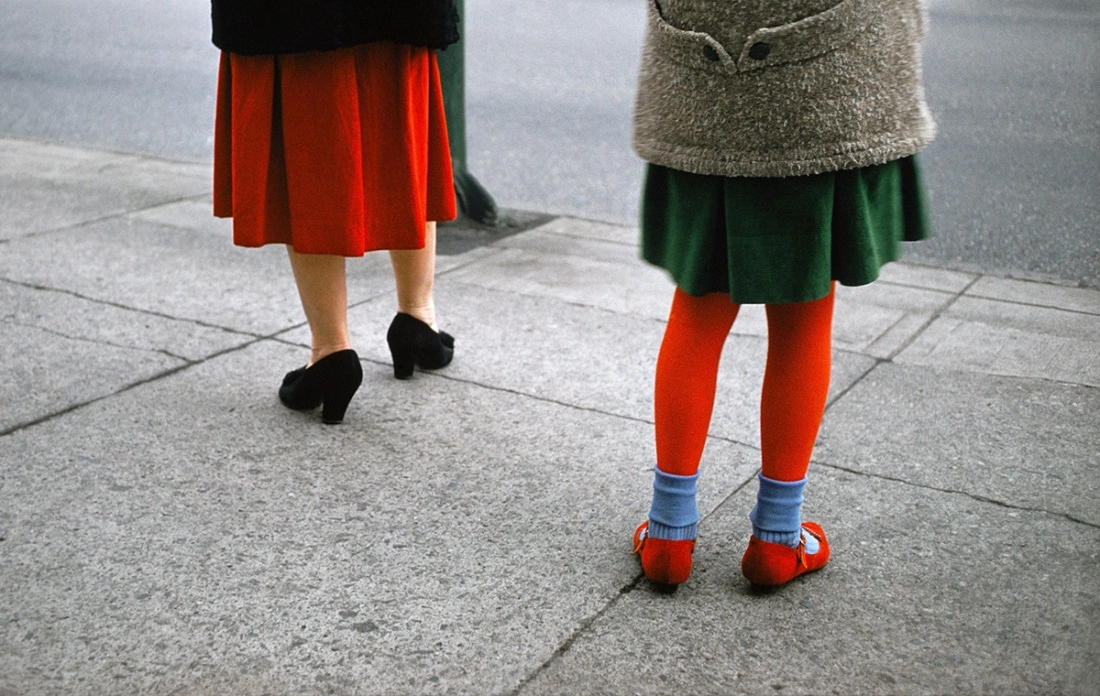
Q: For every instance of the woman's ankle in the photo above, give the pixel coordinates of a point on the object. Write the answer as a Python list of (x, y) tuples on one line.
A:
[(424, 313), (318, 353)]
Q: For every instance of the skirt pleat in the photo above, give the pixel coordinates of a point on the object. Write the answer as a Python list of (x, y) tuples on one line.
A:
[(336, 152), (780, 240)]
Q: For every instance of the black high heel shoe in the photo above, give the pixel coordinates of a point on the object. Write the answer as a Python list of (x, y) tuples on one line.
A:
[(330, 381), (413, 343)]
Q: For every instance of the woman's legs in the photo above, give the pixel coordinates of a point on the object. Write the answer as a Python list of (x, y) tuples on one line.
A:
[(333, 374), (414, 275), (322, 288), (323, 291)]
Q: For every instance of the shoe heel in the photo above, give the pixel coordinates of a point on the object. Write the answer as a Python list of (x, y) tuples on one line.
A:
[(404, 362), (413, 343), (332, 413), (330, 383), (666, 564), (338, 395)]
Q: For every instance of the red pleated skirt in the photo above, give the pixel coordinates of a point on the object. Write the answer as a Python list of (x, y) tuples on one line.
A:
[(336, 152)]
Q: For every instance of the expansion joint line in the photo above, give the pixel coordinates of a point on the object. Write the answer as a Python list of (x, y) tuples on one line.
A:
[(954, 491), (525, 395), (136, 310), (109, 216), (908, 342), (133, 385), (626, 589), (935, 316), (577, 633)]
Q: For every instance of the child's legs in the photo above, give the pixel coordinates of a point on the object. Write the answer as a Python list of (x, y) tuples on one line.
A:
[(687, 372), (796, 385)]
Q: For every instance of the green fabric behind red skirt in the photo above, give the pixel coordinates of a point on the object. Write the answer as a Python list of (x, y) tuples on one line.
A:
[(335, 152), (779, 240)]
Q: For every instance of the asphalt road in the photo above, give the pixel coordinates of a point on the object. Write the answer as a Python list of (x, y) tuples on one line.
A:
[(1014, 176)]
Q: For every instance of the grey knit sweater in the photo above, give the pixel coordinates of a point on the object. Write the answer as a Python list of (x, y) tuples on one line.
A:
[(781, 87)]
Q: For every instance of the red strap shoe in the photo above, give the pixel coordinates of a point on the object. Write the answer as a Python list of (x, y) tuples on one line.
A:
[(666, 563), (769, 565)]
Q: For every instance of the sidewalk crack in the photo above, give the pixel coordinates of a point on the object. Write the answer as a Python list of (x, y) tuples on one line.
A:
[(104, 218), (119, 305), (95, 341), (855, 382), (954, 491), (128, 387), (932, 319), (905, 344), (580, 630), (626, 589)]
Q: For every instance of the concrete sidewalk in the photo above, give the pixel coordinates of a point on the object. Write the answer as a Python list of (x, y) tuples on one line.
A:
[(166, 527)]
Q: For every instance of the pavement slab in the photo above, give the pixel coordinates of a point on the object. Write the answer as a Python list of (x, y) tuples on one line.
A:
[(69, 315), (64, 372), (1037, 294), (925, 593), (61, 350), (880, 319), (163, 270), (45, 186), (161, 261), (168, 528), (246, 539), (1022, 443), (927, 277), (575, 279), (1011, 338)]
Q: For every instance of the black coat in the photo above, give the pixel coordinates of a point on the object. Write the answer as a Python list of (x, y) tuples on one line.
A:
[(253, 27)]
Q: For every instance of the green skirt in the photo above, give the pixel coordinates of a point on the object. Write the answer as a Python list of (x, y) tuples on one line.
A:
[(778, 240)]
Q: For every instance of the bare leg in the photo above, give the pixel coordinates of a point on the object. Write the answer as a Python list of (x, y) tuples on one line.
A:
[(323, 290), (414, 274)]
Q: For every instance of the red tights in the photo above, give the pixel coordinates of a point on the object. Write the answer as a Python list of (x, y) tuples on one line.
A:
[(796, 381)]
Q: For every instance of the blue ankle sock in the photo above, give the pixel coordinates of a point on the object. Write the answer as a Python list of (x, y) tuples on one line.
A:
[(777, 517), (673, 514)]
